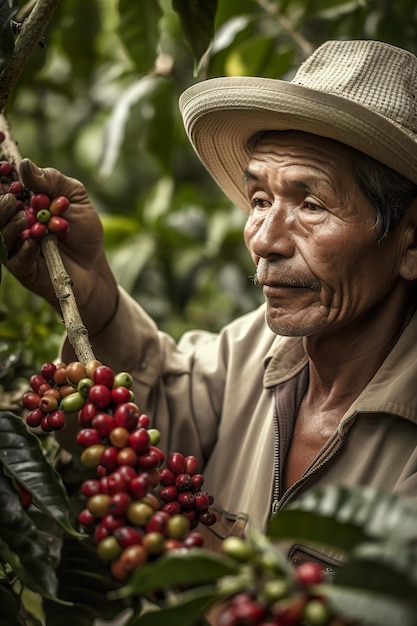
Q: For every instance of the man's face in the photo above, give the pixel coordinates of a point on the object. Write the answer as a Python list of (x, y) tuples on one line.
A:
[(311, 235)]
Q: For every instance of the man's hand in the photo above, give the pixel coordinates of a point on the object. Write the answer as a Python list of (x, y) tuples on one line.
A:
[(82, 252)]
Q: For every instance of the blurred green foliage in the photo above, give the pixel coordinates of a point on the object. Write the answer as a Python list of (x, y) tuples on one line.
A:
[(100, 102)]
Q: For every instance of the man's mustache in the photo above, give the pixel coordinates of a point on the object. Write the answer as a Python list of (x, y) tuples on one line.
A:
[(284, 278)]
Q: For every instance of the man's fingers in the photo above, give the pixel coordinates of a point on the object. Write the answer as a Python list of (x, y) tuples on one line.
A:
[(50, 181)]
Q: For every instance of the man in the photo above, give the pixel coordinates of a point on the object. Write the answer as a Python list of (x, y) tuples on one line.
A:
[(316, 386)]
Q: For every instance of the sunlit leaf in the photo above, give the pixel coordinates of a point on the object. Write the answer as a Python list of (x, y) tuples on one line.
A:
[(139, 31), (22, 458), (197, 19)]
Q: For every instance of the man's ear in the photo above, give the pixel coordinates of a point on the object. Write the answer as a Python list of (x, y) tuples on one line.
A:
[(408, 262)]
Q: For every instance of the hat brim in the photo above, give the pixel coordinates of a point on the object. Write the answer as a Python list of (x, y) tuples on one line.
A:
[(221, 115)]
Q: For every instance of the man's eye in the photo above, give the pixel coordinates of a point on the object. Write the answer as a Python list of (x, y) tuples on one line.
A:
[(259, 203), (312, 206)]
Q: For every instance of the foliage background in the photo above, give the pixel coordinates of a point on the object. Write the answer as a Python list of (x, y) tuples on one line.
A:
[(100, 102)]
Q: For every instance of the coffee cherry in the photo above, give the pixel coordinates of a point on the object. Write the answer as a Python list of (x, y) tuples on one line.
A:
[(309, 573), (158, 522), (43, 216), (186, 499), (88, 437), (98, 505), (119, 503), (191, 464), (86, 518), (103, 423), (208, 518), (48, 370), (127, 536), (316, 613), (197, 481), (237, 548), (108, 548), (5, 168), (56, 420), (193, 539), (39, 201), (177, 526), (140, 440), (126, 415), (104, 375), (127, 456), (169, 493), (90, 487), (72, 403), (34, 418), (100, 396), (172, 507), (140, 485), (139, 513), (123, 379), (130, 559), (120, 395), (59, 205), (91, 457), (84, 385), (183, 482), (144, 421), (91, 366), (30, 400), (109, 459), (74, 372), (176, 463)]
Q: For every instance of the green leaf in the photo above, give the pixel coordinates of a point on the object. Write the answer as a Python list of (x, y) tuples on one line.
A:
[(342, 517), (192, 567), (22, 457), (388, 568), (197, 18), (21, 545), (7, 13), (139, 31), (373, 609), (188, 607), (85, 581)]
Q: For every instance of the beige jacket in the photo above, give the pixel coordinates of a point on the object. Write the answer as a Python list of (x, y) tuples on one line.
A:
[(213, 395)]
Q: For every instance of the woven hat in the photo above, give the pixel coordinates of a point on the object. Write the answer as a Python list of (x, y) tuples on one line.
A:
[(362, 93)]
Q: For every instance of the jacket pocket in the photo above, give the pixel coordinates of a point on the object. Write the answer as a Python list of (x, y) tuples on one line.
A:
[(329, 561), (227, 524)]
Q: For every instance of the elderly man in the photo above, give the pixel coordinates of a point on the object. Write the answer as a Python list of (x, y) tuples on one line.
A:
[(317, 386)]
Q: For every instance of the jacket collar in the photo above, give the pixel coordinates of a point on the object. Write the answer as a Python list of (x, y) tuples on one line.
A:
[(393, 389)]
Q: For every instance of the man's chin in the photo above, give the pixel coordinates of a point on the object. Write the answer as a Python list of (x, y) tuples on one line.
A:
[(294, 325)]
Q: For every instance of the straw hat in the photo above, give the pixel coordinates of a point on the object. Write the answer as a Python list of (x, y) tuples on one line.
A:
[(361, 93)]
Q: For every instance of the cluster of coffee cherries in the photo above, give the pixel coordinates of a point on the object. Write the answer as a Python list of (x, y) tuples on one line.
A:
[(138, 503), (275, 597), (43, 214)]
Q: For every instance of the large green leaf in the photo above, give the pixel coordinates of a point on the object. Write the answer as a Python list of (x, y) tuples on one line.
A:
[(373, 609), (21, 545), (185, 611), (193, 567), (342, 517), (139, 31), (85, 581), (198, 23), (22, 457), (388, 568)]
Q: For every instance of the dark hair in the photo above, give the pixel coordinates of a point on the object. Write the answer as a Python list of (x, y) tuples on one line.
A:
[(389, 192)]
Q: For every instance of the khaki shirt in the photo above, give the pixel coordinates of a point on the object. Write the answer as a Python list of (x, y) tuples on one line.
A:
[(213, 395)]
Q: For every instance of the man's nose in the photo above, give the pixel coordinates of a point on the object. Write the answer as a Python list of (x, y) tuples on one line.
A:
[(274, 235)]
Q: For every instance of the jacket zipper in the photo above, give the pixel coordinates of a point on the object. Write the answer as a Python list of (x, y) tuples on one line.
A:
[(277, 502)]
